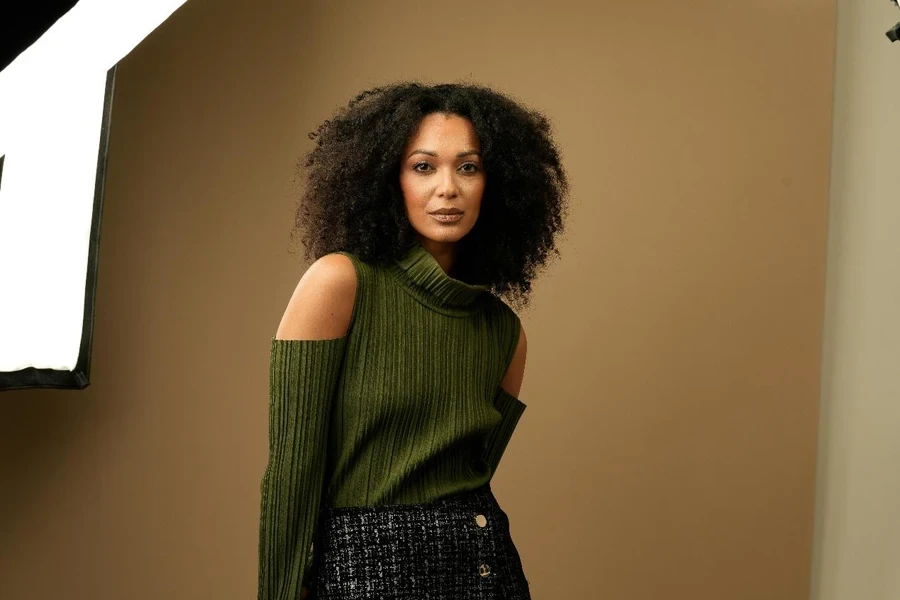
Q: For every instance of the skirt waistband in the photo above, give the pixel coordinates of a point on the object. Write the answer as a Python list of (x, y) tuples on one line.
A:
[(467, 498)]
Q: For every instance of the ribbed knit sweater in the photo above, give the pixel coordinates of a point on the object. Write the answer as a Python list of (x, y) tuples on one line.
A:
[(406, 407)]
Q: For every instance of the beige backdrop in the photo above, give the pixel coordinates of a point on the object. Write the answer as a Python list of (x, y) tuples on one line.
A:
[(669, 447)]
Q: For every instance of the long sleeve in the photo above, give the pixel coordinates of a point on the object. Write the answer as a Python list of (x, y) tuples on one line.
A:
[(303, 376), (511, 409)]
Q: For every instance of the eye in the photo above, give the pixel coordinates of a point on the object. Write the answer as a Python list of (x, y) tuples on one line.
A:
[(474, 167)]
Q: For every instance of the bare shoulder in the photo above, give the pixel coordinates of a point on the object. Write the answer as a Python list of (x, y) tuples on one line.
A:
[(515, 374), (322, 303)]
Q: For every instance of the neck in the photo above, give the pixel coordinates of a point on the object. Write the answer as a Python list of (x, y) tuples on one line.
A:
[(426, 280), (443, 252)]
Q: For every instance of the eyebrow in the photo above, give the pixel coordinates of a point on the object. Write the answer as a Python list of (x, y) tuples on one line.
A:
[(431, 153)]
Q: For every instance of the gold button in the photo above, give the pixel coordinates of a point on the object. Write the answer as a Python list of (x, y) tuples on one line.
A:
[(484, 570), (481, 520)]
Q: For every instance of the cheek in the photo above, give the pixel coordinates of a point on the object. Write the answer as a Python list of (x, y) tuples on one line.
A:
[(476, 192), (414, 193), (476, 185)]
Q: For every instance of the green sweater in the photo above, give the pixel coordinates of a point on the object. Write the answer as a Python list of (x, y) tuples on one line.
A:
[(406, 407)]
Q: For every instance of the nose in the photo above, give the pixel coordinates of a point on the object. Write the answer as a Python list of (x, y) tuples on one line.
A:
[(447, 186)]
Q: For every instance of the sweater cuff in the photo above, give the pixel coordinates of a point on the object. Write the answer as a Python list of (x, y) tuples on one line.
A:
[(511, 409)]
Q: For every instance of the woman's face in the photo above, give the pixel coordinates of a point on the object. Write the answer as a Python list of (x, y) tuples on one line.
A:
[(441, 169)]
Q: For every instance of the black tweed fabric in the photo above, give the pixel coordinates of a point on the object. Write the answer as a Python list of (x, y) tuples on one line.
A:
[(457, 547)]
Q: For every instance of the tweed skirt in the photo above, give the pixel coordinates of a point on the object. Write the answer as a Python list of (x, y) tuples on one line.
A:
[(457, 547)]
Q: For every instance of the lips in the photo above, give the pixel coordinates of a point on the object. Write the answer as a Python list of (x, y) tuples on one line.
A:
[(446, 211)]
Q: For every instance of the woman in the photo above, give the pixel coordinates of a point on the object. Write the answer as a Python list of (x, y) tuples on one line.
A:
[(396, 367)]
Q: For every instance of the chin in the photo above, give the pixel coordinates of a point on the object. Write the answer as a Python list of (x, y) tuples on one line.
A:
[(445, 234)]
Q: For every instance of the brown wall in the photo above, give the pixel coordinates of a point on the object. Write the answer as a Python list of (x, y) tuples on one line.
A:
[(668, 450)]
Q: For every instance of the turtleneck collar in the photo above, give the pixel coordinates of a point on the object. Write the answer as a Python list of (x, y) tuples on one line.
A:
[(421, 275)]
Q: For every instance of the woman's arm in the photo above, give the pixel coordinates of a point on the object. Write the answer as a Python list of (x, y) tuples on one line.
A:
[(506, 401), (305, 363), (512, 381)]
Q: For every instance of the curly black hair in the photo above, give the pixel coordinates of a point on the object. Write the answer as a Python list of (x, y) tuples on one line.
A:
[(352, 200)]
